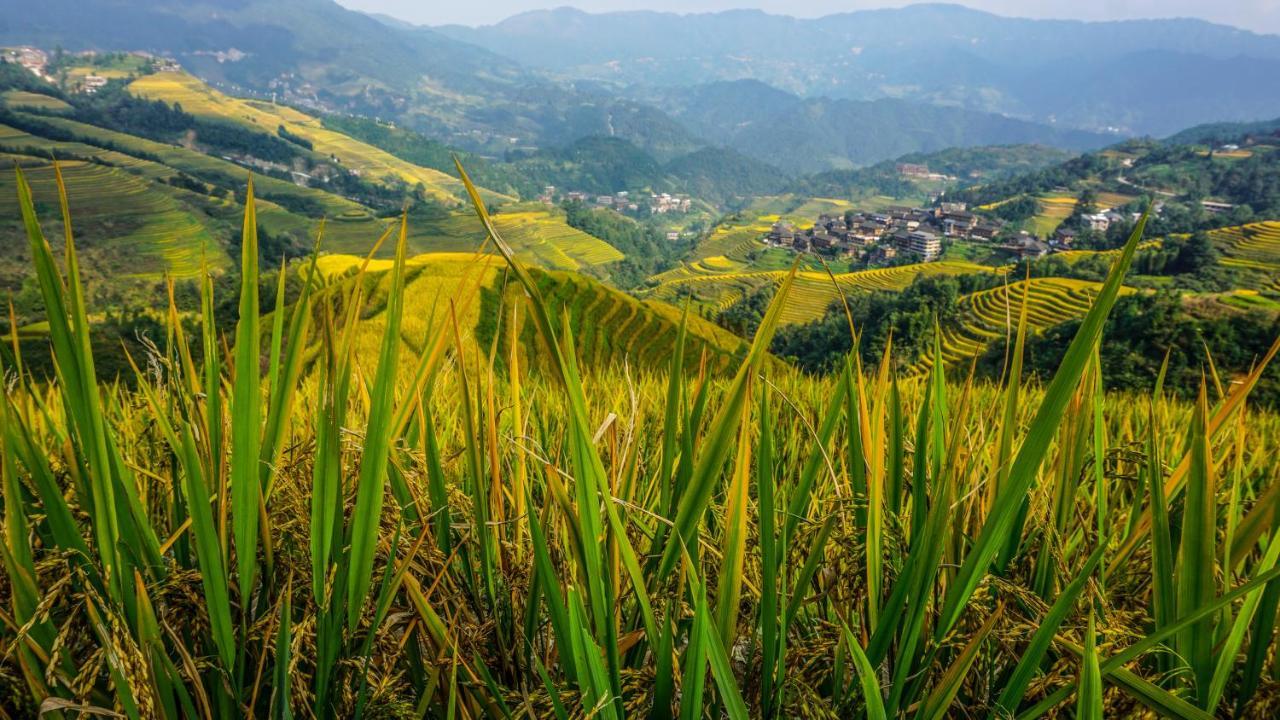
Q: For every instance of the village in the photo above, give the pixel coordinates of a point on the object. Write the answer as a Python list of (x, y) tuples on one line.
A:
[(623, 202), (885, 237), (77, 72)]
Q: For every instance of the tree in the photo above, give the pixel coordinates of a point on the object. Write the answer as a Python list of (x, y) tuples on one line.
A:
[(1196, 255)]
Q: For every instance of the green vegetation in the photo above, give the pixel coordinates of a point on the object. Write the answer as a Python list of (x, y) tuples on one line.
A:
[(1154, 327), (553, 534)]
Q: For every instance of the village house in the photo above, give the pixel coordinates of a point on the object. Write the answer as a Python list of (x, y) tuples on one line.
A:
[(923, 243), (782, 233), (1063, 237), (1025, 245), (1097, 222), (986, 230), (958, 223), (881, 254), (93, 83)]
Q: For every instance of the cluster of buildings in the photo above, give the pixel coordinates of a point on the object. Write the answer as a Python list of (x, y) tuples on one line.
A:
[(917, 171), (1101, 221), (33, 59), (623, 202), (879, 237), (37, 62)]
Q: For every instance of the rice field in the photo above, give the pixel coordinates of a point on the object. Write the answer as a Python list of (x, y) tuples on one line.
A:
[(812, 293), (993, 314), (1252, 250), (195, 163), (199, 99), (1259, 242), (1111, 200), (141, 231), (1054, 208), (288, 524), (540, 237), (733, 240), (18, 99)]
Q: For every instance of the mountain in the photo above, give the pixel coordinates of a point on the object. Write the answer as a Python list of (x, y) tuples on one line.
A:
[(1224, 132), (816, 134), (610, 164), (318, 54), (1143, 77)]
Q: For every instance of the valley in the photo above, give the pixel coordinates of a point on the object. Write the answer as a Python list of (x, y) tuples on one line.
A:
[(910, 362)]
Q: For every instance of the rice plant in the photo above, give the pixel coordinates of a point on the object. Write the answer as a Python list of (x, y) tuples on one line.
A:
[(288, 521)]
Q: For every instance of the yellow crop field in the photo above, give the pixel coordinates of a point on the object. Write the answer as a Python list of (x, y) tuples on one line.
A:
[(1109, 200), (1073, 256), (1054, 209), (201, 100), (992, 314), (14, 99), (733, 240), (1255, 241), (813, 207), (539, 237), (549, 239), (1253, 248), (181, 158), (610, 327), (566, 502), (145, 233), (813, 291)]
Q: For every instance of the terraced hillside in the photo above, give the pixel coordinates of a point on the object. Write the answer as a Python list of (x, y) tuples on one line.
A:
[(992, 314), (142, 231), (539, 237), (1254, 248), (201, 100), (611, 328), (733, 240), (17, 99), (812, 293), (1054, 208), (165, 219)]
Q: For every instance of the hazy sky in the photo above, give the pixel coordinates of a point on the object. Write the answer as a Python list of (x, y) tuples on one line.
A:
[(1256, 15)]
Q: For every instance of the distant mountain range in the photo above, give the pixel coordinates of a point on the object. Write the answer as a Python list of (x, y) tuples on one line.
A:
[(801, 95), (1143, 77), (806, 135)]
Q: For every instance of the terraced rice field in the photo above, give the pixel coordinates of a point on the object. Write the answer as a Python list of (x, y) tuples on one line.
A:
[(15, 99), (1054, 209), (993, 314), (351, 227), (197, 163), (1253, 249), (539, 237), (1109, 200), (551, 242), (813, 207), (201, 100), (611, 328), (812, 293), (1073, 256), (735, 240), (142, 231)]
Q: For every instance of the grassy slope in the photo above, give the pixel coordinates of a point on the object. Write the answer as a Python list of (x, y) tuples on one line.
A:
[(541, 236), (145, 232), (611, 328), (813, 290), (203, 101), (992, 314)]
